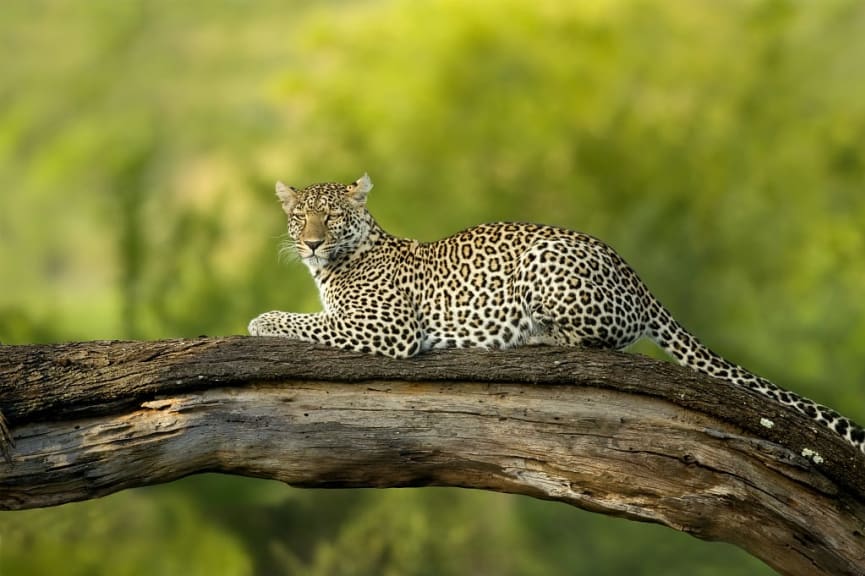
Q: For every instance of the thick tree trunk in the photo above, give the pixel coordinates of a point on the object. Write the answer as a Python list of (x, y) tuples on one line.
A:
[(613, 433)]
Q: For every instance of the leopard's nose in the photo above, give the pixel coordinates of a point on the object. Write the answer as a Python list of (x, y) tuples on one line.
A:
[(313, 244)]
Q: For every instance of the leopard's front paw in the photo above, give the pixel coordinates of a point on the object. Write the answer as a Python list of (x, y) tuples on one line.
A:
[(254, 326), (263, 325)]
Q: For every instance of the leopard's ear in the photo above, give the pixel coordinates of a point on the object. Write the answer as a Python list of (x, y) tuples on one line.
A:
[(358, 190), (287, 195)]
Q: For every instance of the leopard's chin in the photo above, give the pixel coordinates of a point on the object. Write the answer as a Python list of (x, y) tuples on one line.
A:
[(315, 262)]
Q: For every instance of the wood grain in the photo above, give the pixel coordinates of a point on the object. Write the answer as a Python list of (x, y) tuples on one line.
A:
[(609, 432)]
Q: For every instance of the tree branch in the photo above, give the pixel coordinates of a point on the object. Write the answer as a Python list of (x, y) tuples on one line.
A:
[(613, 433)]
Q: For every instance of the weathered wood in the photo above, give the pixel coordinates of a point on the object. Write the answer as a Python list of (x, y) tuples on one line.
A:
[(614, 433)]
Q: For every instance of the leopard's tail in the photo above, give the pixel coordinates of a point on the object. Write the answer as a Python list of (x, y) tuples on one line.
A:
[(687, 350)]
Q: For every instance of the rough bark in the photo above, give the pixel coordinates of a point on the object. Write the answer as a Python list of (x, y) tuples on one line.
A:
[(613, 433)]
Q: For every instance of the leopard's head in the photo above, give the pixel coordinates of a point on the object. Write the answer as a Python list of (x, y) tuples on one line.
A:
[(326, 222)]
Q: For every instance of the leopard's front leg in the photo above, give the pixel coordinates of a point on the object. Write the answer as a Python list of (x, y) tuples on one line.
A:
[(289, 325), (369, 334)]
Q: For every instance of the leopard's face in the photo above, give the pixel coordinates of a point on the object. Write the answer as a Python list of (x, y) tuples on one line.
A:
[(326, 222)]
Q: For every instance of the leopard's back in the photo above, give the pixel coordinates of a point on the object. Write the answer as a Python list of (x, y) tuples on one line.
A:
[(505, 284)]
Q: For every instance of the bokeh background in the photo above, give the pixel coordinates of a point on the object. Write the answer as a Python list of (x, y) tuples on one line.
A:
[(719, 146)]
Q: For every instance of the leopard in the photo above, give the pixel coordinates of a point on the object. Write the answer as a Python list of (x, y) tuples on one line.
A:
[(495, 286)]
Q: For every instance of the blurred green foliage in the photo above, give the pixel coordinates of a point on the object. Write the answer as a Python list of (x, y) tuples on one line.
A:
[(718, 145)]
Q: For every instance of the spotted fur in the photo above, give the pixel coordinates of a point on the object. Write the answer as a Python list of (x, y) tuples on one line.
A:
[(495, 285)]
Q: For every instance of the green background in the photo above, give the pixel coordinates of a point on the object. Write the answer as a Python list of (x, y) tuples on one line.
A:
[(718, 145)]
